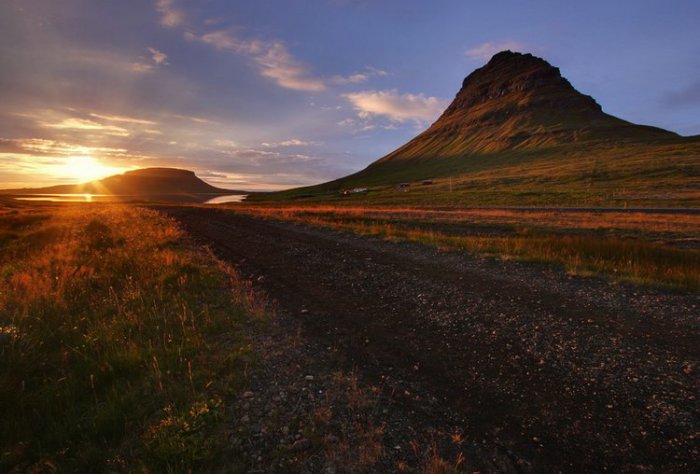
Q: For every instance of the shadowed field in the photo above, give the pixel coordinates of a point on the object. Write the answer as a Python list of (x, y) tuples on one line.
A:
[(493, 365)]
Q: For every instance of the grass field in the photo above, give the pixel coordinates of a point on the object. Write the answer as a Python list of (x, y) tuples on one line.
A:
[(119, 341), (647, 248), (123, 343), (660, 174)]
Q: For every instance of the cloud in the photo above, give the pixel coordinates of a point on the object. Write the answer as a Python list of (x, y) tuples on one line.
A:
[(198, 120), (278, 64), (395, 106), (121, 118), (226, 143), (170, 16), (141, 67), (88, 125), (41, 146), (272, 57), (487, 50), (359, 77), (288, 143), (224, 40), (158, 57)]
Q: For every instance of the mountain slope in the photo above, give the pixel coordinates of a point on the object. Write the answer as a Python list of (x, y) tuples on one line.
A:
[(518, 102), (141, 182), (517, 126)]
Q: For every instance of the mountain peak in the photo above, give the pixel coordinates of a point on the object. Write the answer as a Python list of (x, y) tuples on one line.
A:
[(518, 101), (513, 82)]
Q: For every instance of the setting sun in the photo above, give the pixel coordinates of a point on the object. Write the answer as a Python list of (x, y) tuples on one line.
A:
[(85, 168)]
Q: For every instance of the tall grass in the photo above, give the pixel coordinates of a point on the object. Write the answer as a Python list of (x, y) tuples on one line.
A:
[(118, 343)]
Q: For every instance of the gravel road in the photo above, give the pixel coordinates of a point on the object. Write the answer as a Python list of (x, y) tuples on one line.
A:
[(552, 372)]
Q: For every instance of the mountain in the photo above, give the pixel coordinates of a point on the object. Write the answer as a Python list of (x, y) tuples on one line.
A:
[(518, 102), (141, 182), (518, 127)]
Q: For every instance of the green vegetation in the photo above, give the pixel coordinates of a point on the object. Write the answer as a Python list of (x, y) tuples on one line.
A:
[(665, 173), (657, 249), (119, 341)]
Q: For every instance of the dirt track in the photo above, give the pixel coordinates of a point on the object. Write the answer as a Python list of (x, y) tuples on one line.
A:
[(557, 373)]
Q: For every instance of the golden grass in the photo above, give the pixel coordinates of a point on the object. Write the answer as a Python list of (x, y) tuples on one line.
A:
[(640, 247), (686, 223), (118, 341)]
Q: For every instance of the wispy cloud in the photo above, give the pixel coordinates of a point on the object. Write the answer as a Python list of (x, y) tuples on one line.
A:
[(487, 50), (272, 58), (279, 65), (170, 15), (158, 57), (397, 107), (359, 77), (289, 143), (41, 146), (88, 125), (121, 118)]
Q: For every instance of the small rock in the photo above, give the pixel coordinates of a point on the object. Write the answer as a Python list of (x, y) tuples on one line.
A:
[(248, 394), (309, 378)]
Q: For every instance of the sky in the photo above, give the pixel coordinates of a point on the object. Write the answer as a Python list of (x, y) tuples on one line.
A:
[(272, 94)]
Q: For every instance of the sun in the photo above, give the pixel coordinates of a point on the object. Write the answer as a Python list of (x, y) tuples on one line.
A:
[(85, 168)]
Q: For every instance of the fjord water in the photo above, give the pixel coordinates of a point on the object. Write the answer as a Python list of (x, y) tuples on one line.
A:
[(201, 198)]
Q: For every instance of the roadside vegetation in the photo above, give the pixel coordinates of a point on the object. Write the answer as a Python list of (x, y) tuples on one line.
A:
[(119, 343), (647, 248)]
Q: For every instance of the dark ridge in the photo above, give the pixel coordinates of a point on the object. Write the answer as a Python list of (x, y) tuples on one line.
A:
[(141, 182)]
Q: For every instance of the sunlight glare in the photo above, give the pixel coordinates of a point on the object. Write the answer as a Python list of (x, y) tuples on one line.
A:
[(85, 168)]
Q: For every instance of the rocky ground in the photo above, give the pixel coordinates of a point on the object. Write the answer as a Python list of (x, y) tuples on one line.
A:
[(398, 357)]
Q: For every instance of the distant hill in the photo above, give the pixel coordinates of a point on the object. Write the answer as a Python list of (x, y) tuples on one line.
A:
[(518, 132), (141, 182)]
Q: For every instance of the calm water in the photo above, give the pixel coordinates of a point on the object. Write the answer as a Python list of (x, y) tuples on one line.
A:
[(203, 198), (229, 198), (64, 197)]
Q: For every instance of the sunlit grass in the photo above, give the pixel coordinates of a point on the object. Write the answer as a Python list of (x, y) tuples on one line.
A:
[(118, 342)]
